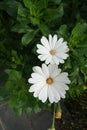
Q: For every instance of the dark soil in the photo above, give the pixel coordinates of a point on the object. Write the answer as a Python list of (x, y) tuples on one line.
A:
[(78, 111)]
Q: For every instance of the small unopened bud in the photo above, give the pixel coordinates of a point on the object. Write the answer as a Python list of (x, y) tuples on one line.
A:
[(58, 115)]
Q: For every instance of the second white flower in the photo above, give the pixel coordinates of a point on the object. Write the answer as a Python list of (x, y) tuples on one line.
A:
[(49, 82), (52, 50)]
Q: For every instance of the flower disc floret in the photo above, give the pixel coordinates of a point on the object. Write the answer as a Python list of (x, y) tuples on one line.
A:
[(49, 80)]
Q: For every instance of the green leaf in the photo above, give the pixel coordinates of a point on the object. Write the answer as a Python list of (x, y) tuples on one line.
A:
[(84, 71), (79, 35), (44, 29), (22, 11), (13, 74), (53, 14), (20, 28), (35, 7), (23, 14), (28, 37), (11, 7), (57, 1), (63, 32), (34, 20), (28, 3), (80, 28), (41, 5), (37, 109), (67, 65)]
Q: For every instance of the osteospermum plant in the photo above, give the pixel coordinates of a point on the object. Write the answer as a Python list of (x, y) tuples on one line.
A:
[(48, 81)]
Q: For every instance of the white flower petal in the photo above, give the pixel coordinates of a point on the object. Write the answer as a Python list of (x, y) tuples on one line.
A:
[(61, 92), (36, 86), (43, 57), (55, 59), (37, 76), (45, 42), (54, 71), (50, 95), (62, 86), (62, 78), (58, 60), (43, 94), (63, 48), (54, 41), (37, 69), (62, 55), (48, 59), (50, 41), (45, 70), (56, 94), (59, 42), (41, 49), (31, 80)]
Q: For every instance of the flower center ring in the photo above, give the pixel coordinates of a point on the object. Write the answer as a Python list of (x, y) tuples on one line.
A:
[(52, 52), (49, 80)]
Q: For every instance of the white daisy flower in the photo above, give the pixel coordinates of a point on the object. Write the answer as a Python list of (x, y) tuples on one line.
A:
[(49, 82), (52, 51)]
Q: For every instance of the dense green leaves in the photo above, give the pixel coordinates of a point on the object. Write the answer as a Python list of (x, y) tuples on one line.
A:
[(63, 32), (78, 49), (27, 3), (79, 35), (21, 28), (22, 24), (11, 7), (53, 14)]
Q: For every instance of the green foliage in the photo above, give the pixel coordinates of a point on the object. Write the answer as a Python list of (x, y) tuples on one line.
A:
[(28, 37), (78, 47), (10, 6), (22, 24)]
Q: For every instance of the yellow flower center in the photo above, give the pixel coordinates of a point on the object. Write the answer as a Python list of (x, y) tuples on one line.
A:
[(49, 80), (52, 52)]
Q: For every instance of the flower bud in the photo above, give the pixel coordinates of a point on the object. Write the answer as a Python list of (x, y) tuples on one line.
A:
[(58, 114)]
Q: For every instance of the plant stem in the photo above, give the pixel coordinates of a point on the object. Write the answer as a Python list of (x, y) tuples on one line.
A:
[(59, 107), (53, 121)]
